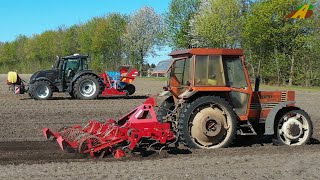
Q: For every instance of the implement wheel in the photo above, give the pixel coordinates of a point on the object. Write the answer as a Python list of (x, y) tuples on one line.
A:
[(294, 128), (130, 89), (208, 122), (83, 146)]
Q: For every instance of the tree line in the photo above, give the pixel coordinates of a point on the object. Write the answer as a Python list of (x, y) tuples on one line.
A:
[(281, 51), (110, 41)]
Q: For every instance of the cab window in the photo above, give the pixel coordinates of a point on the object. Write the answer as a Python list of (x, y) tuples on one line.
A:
[(182, 70), (235, 72), (209, 71), (71, 67)]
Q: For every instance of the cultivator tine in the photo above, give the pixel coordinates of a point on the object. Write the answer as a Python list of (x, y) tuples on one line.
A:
[(149, 148), (61, 142), (48, 133), (118, 154)]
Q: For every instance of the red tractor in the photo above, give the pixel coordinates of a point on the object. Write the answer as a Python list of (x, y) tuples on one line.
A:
[(211, 96), (71, 74), (210, 101)]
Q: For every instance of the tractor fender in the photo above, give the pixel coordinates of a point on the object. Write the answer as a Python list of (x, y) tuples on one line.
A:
[(39, 79), (81, 73), (42, 78), (269, 124), (186, 94), (165, 93)]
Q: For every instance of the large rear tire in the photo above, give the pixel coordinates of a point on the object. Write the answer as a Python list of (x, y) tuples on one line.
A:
[(207, 122), (86, 87), (41, 90), (293, 128)]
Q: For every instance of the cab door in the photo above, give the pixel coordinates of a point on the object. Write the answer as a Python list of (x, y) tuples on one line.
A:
[(180, 75), (70, 69), (236, 79)]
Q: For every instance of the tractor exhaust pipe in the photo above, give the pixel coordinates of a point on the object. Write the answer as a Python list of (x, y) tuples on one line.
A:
[(257, 84)]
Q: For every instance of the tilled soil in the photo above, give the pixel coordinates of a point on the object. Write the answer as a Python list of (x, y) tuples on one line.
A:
[(24, 153)]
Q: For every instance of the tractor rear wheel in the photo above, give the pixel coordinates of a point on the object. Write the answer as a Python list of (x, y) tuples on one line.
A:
[(41, 90), (166, 105), (71, 94), (207, 122), (294, 128), (86, 87)]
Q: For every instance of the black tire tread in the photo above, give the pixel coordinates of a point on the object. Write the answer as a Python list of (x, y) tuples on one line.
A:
[(186, 112), (166, 104), (34, 87), (75, 89), (130, 88)]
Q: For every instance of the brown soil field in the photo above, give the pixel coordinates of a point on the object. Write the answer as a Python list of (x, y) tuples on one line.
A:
[(25, 154)]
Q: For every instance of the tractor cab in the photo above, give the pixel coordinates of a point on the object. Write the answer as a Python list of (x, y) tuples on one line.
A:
[(210, 70), (68, 66)]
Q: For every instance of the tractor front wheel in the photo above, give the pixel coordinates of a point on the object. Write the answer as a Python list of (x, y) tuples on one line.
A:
[(71, 94), (86, 87), (294, 128), (207, 122), (41, 90)]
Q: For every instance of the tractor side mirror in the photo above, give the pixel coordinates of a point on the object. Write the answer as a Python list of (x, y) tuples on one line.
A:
[(257, 84)]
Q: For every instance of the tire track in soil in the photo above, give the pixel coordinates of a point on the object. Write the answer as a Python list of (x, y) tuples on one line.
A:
[(39, 152)]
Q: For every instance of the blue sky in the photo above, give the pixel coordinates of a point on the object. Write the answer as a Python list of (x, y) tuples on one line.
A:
[(30, 17)]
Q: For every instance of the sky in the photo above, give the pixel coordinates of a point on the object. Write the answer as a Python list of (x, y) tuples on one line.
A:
[(30, 17)]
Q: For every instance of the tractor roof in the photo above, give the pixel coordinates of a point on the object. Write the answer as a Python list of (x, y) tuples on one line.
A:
[(207, 51), (75, 56)]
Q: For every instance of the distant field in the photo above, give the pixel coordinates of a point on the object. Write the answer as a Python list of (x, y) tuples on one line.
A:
[(23, 152)]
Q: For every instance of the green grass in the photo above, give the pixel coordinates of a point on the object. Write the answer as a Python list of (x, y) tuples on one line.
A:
[(154, 78), (293, 88)]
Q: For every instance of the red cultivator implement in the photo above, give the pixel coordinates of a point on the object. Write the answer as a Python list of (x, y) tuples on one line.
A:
[(98, 138)]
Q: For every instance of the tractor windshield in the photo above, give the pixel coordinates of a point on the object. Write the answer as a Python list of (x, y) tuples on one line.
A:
[(209, 71), (163, 66)]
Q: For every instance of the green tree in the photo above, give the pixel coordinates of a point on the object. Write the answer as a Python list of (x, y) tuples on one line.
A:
[(178, 22), (70, 40), (143, 34), (275, 41), (107, 46), (218, 24)]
